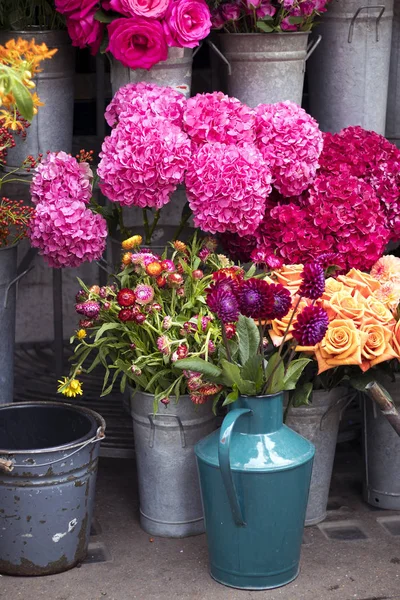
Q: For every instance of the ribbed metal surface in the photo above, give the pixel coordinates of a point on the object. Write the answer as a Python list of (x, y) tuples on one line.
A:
[(35, 380)]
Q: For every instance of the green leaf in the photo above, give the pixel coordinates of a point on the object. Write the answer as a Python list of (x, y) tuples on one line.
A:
[(198, 364), (274, 374), (156, 377), (232, 397), (232, 377), (296, 20), (252, 370), (251, 271), (360, 382), (249, 338), (293, 373), (264, 27), (23, 99), (103, 17), (105, 327), (301, 395), (122, 385)]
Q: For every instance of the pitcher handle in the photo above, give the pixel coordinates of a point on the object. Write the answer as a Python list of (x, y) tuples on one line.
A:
[(378, 20), (224, 448)]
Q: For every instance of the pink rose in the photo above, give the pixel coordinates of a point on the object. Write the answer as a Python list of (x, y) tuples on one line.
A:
[(187, 22), (153, 9), (76, 8), (231, 11), (217, 20), (137, 43), (85, 31)]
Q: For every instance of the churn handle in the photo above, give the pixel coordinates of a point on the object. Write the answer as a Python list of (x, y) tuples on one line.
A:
[(152, 417), (224, 448), (313, 46), (14, 282), (221, 56), (378, 20)]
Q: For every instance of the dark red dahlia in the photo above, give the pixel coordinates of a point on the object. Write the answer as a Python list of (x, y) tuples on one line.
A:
[(126, 297), (125, 314), (282, 301), (256, 299), (313, 285), (238, 248), (223, 303), (311, 326)]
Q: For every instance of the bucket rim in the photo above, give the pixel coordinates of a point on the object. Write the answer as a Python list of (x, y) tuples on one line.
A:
[(72, 445), (275, 33), (11, 247)]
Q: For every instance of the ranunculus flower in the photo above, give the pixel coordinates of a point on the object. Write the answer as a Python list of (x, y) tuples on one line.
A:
[(153, 9), (187, 22), (85, 31), (376, 348), (343, 305), (137, 43), (77, 8), (341, 345)]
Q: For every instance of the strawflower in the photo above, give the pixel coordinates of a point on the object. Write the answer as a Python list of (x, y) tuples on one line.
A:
[(70, 387)]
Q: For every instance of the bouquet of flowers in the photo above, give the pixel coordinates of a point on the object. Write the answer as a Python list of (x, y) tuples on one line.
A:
[(269, 16), (138, 34), (153, 315)]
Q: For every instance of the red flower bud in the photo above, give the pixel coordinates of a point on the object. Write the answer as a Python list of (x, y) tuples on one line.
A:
[(125, 314), (175, 280), (197, 274), (161, 281)]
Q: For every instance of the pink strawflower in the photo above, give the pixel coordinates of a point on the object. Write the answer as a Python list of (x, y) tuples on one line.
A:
[(218, 118), (67, 233), (146, 99), (290, 142), (164, 344), (144, 258), (186, 23), (143, 161), (227, 187), (60, 175), (144, 293), (167, 322)]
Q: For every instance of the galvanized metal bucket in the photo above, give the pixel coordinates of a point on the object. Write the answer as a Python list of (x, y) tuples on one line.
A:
[(264, 68), (381, 454), (175, 72), (8, 280), (348, 80), (319, 423), (48, 468), (393, 105), (51, 128), (169, 491)]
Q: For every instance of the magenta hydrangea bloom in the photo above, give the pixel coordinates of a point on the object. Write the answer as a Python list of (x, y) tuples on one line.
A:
[(311, 326), (143, 161), (291, 142), (146, 99), (60, 175), (218, 118), (67, 233), (227, 187)]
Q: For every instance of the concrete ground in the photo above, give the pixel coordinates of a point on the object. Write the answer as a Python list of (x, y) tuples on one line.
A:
[(354, 554)]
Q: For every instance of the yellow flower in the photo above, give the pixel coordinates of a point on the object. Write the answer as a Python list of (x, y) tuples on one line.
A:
[(132, 242), (70, 387), (80, 334)]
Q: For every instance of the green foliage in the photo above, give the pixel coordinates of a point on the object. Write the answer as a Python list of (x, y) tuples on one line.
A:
[(22, 15)]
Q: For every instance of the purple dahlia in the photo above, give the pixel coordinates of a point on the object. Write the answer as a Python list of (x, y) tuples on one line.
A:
[(311, 326), (313, 285)]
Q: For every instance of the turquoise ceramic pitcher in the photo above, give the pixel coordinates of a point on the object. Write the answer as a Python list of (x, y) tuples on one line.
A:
[(255, 476)]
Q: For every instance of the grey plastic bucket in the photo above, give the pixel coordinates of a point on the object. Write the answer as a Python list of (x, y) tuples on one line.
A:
[(174, 72), (393, 105), (51, 128), (319, 423), (381, 454), (169, 490), (48, 466), (348, 79), (264, 68)]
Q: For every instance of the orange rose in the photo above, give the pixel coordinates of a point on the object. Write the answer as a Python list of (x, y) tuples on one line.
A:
[(396, 338), (331, 287), (343, 305), (376, 312), (279, 326), (377, 346), (341, 345), (366, 283), (289, 276)]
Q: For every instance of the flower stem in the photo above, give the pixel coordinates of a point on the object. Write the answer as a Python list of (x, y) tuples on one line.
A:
[(186, 214), (146, 226), (157, 215), (289, 324), (226, 343)]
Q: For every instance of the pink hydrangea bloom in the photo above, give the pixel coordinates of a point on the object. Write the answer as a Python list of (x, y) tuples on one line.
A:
[(227, 186), (369, 156), (340, 214), (67, 233), (218, 118), (143, 161), (146, 99), (291, 143), (60, 175)]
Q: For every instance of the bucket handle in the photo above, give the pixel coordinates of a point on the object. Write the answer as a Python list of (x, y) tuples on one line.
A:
[(14, 282), (151, 418), (378, 20), (312, 46), (220, 55), (224, 448), (8, 465)]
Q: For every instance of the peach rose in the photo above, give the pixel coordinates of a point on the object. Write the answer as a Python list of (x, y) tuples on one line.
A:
[(341, 345), (279, 326), (376, 312), (289, 276), (377, 347), (367, 283), (396, 338), (343, 305)]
